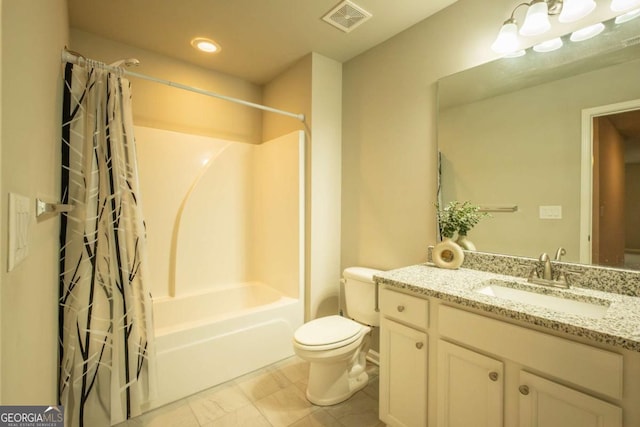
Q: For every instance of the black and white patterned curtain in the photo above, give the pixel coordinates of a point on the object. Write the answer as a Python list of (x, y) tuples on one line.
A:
[(107, 365)]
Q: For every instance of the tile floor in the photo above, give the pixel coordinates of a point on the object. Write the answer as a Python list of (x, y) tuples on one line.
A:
[(270, 397)]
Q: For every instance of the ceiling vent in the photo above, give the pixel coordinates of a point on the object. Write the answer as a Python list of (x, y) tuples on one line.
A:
[(346, 16)]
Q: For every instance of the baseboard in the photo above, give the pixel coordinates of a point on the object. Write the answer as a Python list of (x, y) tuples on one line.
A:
[(373, 357)]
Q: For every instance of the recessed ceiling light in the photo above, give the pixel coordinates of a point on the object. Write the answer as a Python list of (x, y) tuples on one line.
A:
[(205, 45)]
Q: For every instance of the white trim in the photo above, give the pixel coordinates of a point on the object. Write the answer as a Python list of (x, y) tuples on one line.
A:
[(586, 172), (373, 357)]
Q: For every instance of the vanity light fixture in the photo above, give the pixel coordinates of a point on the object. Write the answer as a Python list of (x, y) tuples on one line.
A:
[(624, 5), (537, 22), (574, 10), (205, 45), (587, 32), (537, 19), (627, 16), (516, 54), (507, 40), (549, 45)]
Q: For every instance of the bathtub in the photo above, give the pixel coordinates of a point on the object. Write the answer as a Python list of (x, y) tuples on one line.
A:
[(208, 338)]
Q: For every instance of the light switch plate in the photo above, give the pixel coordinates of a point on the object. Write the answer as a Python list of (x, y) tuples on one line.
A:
[(550, 212), (19, 220)]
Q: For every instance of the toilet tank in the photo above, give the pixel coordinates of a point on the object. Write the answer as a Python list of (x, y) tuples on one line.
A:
[(360, 295)]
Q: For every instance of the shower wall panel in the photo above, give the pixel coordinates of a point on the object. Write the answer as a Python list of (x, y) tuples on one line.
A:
[(221, 212)]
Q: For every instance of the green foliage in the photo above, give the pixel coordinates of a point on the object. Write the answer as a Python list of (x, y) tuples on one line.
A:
[(460, 217)]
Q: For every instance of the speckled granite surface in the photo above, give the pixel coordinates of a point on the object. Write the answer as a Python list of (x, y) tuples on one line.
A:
[(619, 326), (618, 281)]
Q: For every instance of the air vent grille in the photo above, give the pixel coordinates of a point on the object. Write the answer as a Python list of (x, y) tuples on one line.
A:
[(346, 16)]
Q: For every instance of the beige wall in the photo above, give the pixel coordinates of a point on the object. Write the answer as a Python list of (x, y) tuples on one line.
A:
[(2, 215), (164, 107), (389, 132), (290, 91), (312, 86), (33, 35), (325, 177)]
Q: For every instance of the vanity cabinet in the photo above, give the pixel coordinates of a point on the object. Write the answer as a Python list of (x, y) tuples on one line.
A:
[(470, 388), (544, 403), (471, 392), (482, 371), (403, 360)]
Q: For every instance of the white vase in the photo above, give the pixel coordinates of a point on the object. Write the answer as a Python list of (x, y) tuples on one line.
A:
[(465, 243), (447, 254)]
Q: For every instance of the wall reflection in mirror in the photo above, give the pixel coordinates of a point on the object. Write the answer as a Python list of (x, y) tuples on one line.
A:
[(554, 134)]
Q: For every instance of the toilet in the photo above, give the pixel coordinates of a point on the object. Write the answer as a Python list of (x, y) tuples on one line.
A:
[(335, 346)]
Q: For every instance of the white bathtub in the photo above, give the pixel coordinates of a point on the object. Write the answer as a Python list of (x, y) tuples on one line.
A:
[(205, 339)]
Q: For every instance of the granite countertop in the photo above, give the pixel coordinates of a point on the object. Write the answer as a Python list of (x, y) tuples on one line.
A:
[(619, 326)]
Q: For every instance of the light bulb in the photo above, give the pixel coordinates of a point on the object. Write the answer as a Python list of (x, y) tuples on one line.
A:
[(627, 16), (587, 32), (573, 10), (537, 19), (507, 40), (549, 45), (624, 5), (205, 45)]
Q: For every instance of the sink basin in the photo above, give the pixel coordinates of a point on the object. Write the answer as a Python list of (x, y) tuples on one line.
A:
[(549, 299)]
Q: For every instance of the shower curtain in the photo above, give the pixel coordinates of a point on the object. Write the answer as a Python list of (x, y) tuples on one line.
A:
[(106, 351)]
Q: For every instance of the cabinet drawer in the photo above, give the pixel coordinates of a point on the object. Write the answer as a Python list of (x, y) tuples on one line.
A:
[(405, 308)]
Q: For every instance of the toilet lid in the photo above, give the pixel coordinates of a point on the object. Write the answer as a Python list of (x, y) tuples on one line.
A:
[(327, 330)]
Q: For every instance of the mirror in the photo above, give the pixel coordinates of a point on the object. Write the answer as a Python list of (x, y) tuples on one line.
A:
[(510, 136)]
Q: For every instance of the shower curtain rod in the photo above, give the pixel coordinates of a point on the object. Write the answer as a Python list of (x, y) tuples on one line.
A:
[(75, 58)]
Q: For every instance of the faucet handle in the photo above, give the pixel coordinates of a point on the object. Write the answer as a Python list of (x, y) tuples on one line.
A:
[(533, 274), (569, 275), (560, 253)]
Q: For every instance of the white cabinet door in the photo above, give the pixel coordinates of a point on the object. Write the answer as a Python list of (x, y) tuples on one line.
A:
[(470, 388), (403, 375), (544, 403)]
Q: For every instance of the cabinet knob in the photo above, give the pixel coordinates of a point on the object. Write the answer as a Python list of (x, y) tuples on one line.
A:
[(401, 308), (493, 376), (524, 390), (419, 345)]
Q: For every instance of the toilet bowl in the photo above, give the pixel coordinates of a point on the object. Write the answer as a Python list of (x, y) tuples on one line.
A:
[(336, 347)]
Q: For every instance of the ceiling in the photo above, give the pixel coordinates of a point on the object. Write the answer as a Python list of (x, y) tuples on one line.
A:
[(259, 38)]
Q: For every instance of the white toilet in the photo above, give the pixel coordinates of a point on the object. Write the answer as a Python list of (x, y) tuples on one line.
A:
[(337, 346)]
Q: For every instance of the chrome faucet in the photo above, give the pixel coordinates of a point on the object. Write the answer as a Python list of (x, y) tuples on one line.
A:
[(546, 266), (560, 253), (542, 272)]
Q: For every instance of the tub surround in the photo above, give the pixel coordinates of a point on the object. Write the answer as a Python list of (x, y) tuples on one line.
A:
[(619, 327)]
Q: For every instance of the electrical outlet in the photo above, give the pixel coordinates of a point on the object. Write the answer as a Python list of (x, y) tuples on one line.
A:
[(550, 212)]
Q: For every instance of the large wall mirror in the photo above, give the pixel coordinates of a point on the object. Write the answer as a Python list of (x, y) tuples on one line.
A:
[(554, 139)]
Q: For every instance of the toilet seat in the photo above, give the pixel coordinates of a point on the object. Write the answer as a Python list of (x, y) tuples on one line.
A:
[(327, 333)]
